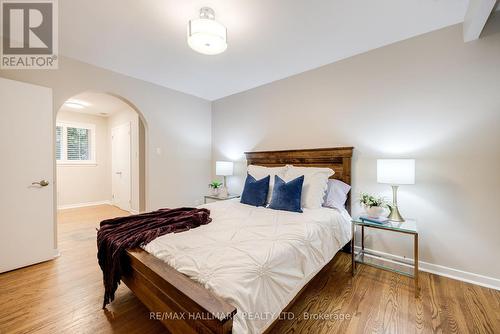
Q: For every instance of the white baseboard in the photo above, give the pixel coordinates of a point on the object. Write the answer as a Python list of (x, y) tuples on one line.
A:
[(81, 205), (488, 282)]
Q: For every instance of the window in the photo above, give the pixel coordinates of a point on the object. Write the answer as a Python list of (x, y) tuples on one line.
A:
[(75, 143)]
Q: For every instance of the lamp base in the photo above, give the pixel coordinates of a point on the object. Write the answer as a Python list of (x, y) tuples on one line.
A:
[(395, 216)]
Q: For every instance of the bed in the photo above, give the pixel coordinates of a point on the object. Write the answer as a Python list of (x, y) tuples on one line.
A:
[(256, 260)]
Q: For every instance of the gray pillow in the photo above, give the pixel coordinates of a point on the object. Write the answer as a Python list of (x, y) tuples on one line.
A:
[(336, 194)]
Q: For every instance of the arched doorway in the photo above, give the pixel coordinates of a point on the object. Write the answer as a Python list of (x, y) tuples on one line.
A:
[(100, 153)]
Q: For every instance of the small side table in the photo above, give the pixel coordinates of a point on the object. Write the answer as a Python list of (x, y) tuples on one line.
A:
[(375, 260), (217, 198)]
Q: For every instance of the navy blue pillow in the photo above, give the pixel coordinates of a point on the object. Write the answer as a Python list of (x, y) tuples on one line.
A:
[(286, 195), (255, 191)]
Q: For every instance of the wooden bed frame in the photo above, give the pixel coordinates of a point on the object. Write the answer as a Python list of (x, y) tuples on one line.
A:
[(185, 306)]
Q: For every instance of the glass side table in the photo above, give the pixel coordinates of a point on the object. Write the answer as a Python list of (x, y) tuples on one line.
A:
[(364, 256), (217, 198)]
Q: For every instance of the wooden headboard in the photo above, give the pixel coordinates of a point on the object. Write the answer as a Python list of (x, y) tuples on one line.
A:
[(336, 158)]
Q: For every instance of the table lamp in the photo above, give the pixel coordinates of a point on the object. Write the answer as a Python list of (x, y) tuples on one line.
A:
[(395, 172), (224, 168)]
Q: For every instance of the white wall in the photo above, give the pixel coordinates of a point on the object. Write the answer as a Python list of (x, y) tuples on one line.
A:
[(80, 184), (177, 125), (433, 98)]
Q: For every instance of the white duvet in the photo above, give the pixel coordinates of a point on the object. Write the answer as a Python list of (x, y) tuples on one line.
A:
[(257, 259)]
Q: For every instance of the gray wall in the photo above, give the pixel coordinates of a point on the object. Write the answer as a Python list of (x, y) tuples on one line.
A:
[(177, 126), (432, 98)]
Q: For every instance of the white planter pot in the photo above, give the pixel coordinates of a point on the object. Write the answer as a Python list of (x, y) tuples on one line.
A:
[(374, 211)]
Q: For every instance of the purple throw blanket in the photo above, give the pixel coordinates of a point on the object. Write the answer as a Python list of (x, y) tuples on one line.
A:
[(119, 234)]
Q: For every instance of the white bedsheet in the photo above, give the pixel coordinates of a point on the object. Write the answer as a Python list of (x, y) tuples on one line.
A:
[(257, 259)]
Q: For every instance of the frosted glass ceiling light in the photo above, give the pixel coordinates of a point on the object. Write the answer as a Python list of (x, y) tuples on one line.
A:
[(76, 104), (205, 35)]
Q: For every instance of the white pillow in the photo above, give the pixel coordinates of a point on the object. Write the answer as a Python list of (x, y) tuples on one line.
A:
[(336, 194), (259, 172), (315, 183)]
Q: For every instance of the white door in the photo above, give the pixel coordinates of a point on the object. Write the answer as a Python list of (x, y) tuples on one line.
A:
[(27, 155), (120, 166)]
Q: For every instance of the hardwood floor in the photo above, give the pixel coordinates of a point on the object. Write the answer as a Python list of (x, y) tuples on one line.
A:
[(65, 296)]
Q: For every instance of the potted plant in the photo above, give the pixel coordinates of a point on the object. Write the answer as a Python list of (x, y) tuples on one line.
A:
[(374, 206), (215, 187)]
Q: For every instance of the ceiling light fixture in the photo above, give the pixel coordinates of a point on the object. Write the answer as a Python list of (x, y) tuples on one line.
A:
[(205, 35), (74, 105)]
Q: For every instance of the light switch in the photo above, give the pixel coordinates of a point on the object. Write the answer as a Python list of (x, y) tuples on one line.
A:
[(158, 151)]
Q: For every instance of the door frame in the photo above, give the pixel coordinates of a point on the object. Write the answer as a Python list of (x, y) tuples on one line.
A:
[(59, 99)]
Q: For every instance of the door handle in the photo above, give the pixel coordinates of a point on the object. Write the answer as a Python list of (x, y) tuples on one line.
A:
[(118, 173), (42, 183)]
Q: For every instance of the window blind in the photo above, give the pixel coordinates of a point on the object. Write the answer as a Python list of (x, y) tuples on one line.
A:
[(78, 144), (74, 143)]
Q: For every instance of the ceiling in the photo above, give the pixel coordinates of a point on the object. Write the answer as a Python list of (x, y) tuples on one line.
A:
[(267, 40), (99, 104)]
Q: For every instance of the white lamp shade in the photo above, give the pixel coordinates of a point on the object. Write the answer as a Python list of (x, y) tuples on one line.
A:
[(223, 168), (396, 171), (207, 36)]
